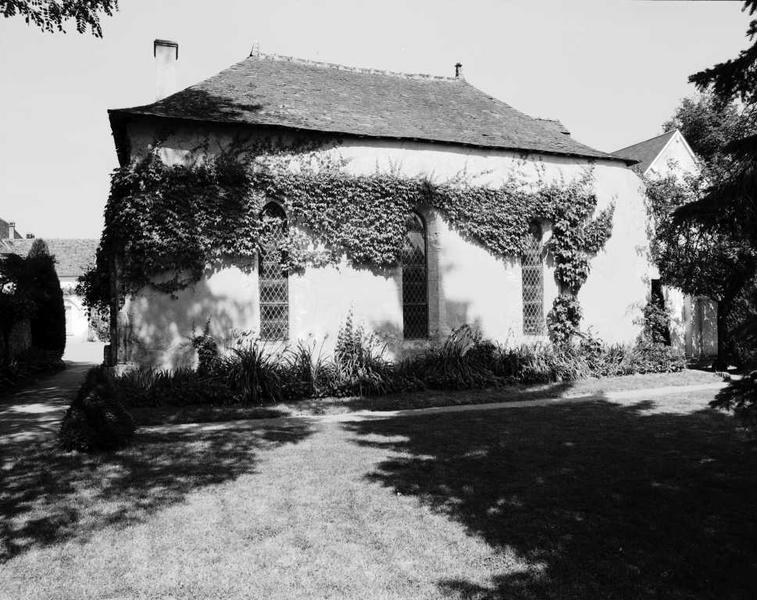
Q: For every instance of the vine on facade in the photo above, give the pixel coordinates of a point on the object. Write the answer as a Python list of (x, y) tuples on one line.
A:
[(165, 225)]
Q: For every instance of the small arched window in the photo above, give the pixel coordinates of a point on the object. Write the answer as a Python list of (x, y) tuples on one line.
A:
[(532, 278), (415, 280), (272, 277)]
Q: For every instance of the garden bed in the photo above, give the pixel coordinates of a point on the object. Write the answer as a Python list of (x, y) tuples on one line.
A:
[(199, 413)]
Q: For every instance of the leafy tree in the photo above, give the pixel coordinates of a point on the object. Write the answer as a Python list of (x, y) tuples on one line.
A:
[(52, 15), (728, 205), (697, 260), (709, 126)]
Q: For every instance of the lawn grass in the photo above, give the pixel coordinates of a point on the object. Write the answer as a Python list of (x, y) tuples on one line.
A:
[(589, 500), (200, 413)]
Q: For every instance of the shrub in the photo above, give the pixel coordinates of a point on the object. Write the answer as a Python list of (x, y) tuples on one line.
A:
[(99, 325), (359, 366), (207, 352), (96, 419), (649, 357), (656, 324)]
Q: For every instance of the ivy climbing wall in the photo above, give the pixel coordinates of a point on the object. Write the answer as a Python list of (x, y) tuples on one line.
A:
[(468, 282)]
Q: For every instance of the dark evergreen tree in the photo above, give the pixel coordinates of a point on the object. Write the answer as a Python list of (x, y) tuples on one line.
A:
[(48, 323)]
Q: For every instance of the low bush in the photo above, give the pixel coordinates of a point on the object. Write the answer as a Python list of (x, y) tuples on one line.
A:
[(96, 419), (647, 357)]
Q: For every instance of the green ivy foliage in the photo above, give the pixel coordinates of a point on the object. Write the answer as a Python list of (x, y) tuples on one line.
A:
[(165, 224), (564, 319)]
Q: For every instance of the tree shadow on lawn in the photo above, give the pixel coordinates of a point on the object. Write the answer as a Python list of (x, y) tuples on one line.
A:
[(602, 501), (48, 496)]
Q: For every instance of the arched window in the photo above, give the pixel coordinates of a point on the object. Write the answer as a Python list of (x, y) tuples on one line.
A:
[(272, 278), (532, 277), (415, 280)]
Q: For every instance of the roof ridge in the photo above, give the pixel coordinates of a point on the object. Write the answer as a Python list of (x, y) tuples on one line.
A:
[(350, 69)]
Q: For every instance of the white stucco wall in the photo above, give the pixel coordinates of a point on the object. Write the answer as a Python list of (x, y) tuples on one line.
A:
[(676, 157), (466, 283), (77, 323)]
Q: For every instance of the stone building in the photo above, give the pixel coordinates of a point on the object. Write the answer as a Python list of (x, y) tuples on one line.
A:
[(408, 124)]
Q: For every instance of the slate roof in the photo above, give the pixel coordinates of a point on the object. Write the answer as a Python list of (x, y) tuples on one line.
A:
[(72, 256), (272, 90), (645, 152)]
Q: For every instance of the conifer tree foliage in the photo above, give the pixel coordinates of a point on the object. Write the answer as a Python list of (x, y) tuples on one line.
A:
[(48, 321), (730, 201)]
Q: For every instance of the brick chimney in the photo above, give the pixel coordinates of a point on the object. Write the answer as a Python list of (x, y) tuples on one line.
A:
[(11, 230), (166, 55)]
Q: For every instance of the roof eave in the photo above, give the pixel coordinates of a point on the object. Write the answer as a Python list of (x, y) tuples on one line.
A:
[(120, 116)]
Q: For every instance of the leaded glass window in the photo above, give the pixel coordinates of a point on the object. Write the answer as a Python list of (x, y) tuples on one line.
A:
[(415, 280), (272, 277), (532, 277)]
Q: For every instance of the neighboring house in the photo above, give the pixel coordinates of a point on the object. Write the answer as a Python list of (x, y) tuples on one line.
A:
[(72, 257), (411, 124), (694, 319), (8, 232)]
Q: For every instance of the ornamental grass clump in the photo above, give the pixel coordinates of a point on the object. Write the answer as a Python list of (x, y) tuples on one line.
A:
[(254, 373), (305, 372), (147, 387), (463, 361)]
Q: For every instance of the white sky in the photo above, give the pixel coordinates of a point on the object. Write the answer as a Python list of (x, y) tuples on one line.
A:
[(611, 70)]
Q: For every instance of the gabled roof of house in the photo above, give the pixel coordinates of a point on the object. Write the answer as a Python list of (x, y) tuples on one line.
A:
[(72, 256), (5, 229), (645, 152), (272, 90)]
